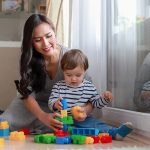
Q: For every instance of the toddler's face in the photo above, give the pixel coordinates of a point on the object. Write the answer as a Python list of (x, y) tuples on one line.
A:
[(74, 77)]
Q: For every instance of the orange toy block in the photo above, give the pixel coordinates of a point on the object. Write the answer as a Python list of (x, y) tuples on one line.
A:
[(77, 112), (15, 135), (88, 140)]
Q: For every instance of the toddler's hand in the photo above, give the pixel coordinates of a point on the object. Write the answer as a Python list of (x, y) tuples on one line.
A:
[(58, 104), (107, 95)]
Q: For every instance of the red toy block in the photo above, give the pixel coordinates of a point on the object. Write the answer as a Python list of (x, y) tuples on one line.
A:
[(96, 139), (61, 133), (106, 139), (25, 130)]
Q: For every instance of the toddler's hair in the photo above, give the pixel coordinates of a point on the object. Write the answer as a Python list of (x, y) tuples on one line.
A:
[(73, 58)]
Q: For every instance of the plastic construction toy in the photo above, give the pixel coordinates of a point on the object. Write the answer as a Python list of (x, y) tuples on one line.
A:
[(85, 131), (25, 130), (2, 141), (15, 135), (47, 139), (69, 134), (77, 112), (4, 129)]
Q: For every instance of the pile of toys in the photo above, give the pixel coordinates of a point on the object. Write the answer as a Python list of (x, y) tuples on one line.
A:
[(6, 134), (69, 134)]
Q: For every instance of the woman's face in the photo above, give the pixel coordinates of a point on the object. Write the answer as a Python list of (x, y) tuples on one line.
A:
[(44, 40)]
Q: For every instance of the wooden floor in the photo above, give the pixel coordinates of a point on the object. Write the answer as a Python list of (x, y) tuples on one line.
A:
[(132, 142)]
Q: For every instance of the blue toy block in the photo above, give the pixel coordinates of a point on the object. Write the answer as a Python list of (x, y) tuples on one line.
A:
[(64, 103), (65, 127), (63, 140), (85, 131), (4, 132)]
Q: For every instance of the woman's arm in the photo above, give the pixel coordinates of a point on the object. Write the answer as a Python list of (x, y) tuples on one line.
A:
[(46, 118)]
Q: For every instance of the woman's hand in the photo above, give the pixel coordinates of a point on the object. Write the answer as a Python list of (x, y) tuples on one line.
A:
[(58, 104), (49, 120), (107, 95), (45, 118)]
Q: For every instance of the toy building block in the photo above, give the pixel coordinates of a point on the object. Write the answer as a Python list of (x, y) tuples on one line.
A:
[(85, 131), (4, 129), (63, 113), (106, 139), (89, 140), (4, 132), (70, 129), (65, 127), (102, 134), (61, 133), (78, 139), (4, 125), (77, 112), (64, 103), (2, 141), (63, 140), (67, 120), (96, 139), (17, 135), (25, 131), (47, 139)]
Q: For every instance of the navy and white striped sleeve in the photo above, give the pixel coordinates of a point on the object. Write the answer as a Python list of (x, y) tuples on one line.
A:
[(96, 100)]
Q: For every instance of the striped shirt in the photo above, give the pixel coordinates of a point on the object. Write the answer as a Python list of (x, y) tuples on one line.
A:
[(76, 96)]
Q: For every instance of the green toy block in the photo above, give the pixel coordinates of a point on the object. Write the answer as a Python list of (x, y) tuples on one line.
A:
[(45, 139), (70, 129), (58, 118), (78, 139), (67, 120)]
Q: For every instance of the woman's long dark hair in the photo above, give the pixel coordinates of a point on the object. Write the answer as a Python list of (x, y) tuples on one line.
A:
[(32, 68)]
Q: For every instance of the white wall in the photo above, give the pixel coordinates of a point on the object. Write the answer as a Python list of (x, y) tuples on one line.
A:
[(9, 71)]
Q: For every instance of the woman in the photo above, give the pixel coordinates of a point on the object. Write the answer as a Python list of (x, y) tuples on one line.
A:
[(39, 70)]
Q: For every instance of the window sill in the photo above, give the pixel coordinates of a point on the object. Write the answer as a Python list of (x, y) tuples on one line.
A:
[(140, 121)]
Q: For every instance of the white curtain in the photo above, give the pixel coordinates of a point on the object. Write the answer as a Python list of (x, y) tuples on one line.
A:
[(122, 51), (88, 32), (114, 35)]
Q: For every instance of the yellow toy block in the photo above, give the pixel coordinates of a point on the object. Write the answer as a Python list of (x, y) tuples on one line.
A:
[(63, 113), (15, 135), (4, 125), (2, 141)]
